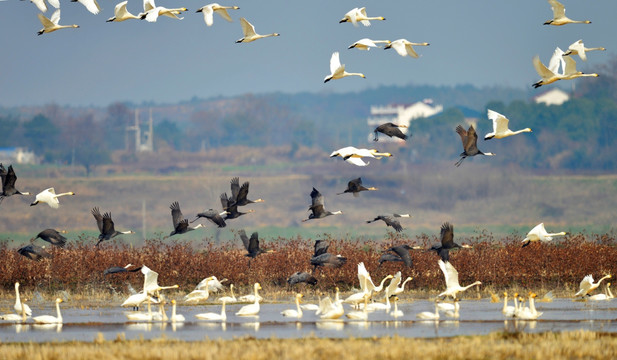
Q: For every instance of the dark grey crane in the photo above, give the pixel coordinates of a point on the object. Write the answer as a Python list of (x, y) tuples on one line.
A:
[(447, 242), (231, 208), (8, 183), (390, 221), (106, 226), (239, 193), (469, 139), (34, 252), (52, 236), (213, 216), (355, 187), (181, 225), (120, 269), (391, 130), (321, 256), (301, 277), (317, 207), (398, 253), (252, 245)]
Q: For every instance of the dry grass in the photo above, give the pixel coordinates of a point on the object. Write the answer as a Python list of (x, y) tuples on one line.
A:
[(498, 263), (568, 345)]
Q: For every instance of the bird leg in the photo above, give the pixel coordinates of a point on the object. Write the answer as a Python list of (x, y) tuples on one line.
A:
[(376, 138), (458, 163)]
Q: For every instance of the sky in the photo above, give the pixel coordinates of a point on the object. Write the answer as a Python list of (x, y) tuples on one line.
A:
[(478, 42)]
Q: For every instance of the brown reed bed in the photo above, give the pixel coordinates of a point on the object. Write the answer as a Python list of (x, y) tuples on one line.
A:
[(548, 346), (498, 263)]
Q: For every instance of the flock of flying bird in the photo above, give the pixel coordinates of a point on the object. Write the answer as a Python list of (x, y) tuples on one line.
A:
[(328, 308)]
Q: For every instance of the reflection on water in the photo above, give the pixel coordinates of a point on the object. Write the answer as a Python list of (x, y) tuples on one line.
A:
[(476, 317)]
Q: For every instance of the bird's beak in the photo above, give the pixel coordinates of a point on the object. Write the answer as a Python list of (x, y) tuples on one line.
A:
[(34, 203)]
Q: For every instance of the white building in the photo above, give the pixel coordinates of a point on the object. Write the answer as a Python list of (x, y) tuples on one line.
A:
[(17, 155), (400, 115), (555, 96)]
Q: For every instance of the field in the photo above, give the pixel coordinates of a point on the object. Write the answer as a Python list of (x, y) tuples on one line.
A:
[(573, 345), (500, 263)]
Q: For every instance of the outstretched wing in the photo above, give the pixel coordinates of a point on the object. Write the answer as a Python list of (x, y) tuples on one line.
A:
[(247, 28), (245, 239), (108, 224), (253, 243), (463, 134), (335, 63), (472, 138), (404, 254), (391, 222), (235, 188), (321, 247), (243, 193), (447, 235), (98, 217), (317, 201), (176, 214)]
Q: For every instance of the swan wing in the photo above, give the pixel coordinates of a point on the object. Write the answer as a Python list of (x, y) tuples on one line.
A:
[(585, 285), (361, 13), (559, 10), (91, 5), (335, 64), (149, 5), (152, 15), (500, 122), (247, 28), (224, 14), (579, 49), (40, 4), (55, 17), (410, 51), (208, 15), (356, 161), (399, 47), (542, 70), (54, 3), (120, 10), (570, 67)]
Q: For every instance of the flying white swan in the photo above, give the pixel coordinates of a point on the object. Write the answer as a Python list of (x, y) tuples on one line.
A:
[(251, 309), (49, 319), (152, 12), (210, 9), (367, 44), (427, 315), (559, 15), (121, 13), (578, 48), (356, 15), (570, 72), (451, 276), (337, 70), (50, 197), (354, 155), (587, 285), (18, 303), (539, 233), (500, 126), (249, 32), (41, 4), (404, 47), (297, 313), (51, 24), (214, 316), (91, 5)]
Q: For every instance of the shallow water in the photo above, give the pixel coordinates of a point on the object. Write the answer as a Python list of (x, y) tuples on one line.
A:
[(476, 317)]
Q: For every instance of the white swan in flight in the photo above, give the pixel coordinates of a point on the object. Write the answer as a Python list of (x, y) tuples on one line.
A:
[(356, 15), (367, 44), (51, 24), (152, 12), (249, 32), (43, 7), (404, 47), (451, 276), (500, 126), (539, 233), (50, 197), (551, 74), (354, 155), (91, 5), (337, 70), (121, 13), (587, 285), (578, 48), (559, 15), (210, 9)]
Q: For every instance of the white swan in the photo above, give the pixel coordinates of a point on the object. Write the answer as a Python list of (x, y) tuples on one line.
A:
[(214, 316), (294, 313), (249, 32), (229, 299), (51, 24), (360, 315), (49, 319), (21, 317), (201, 292), (578, 48), (401, 288), (404, 47), (538, 233), (500, 126), (174, 316), (251, 309), (559, 15), (551, 74), (570, 72), (50, 197), (367, 44), (91, 5), (210, 9), (396, 312), (527, 313), (356, 15), (427, 315), (508, 311), (141, 316), (121, 13), (451, 276), (354, 155), (18, 303), (152, 12), (587, 285), (337, 70), (454, 313), (41, 4)]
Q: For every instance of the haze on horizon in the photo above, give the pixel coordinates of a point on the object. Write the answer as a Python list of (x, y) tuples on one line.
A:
[(483, 43)]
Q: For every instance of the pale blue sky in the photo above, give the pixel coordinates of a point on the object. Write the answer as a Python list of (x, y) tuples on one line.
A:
[(480, 42)]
